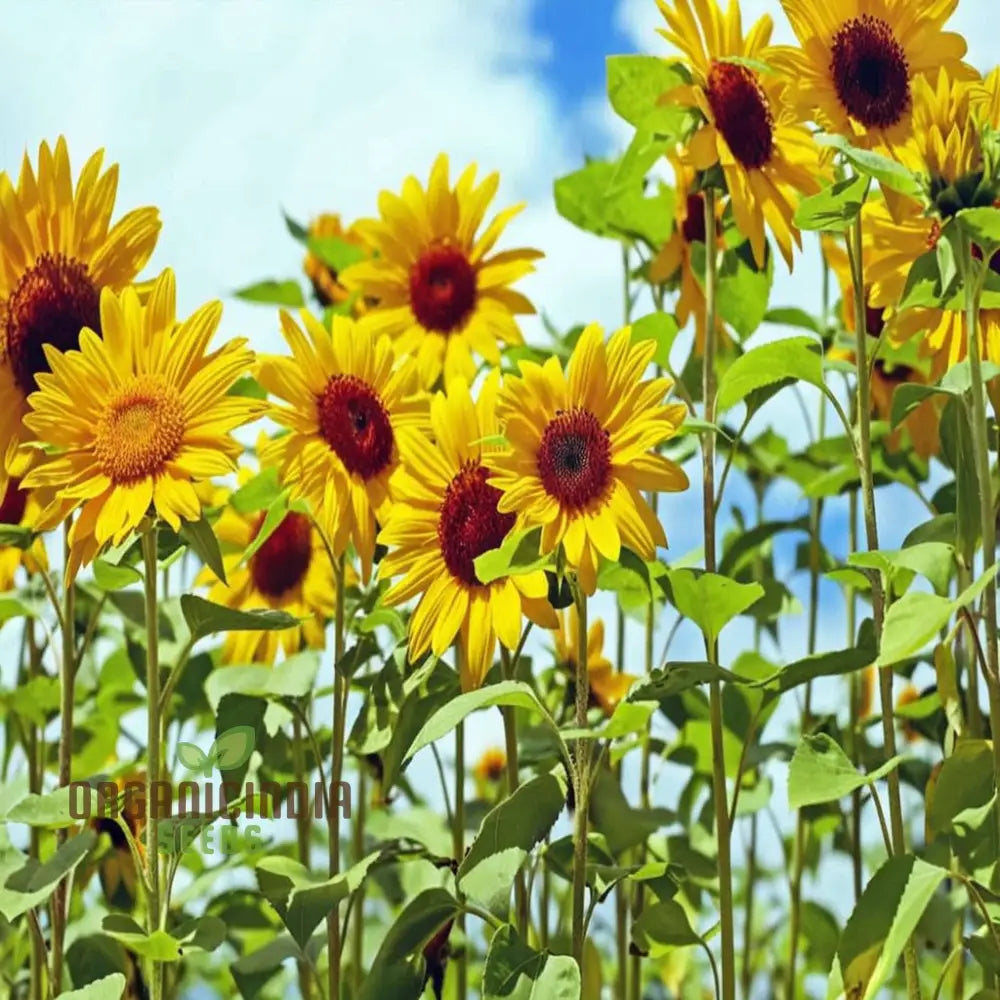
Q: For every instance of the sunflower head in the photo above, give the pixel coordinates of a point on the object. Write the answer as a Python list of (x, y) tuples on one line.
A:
[(581, 449), (325, 280), (58, 251), (442, 294), (135, 418), (491, 766)]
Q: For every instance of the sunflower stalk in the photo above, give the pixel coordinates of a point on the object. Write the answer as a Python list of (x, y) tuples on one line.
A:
[(581, 790), (720, 797), (898, 834), (513, 780), (340, 690), (458, 849), (302, 840)]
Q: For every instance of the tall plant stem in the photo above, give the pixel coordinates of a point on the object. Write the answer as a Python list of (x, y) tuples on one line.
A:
[(458, 849), (581, 788), (357, 853), (980, 442), (302, 837), (67, 677), (854, 708), (36, 770), (340, 691), (154, 915), (513, 780), (871, 537), (720, 796)]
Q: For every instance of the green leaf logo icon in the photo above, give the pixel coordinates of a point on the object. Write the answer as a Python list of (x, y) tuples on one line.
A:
[(232, 747), (191, 756)]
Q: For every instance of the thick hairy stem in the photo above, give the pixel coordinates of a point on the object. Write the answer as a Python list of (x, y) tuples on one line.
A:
[(855, 706), (581, 790), (333, 933)]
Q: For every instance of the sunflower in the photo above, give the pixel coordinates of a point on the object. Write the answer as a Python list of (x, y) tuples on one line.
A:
[(607, 685), (444, 517), (675, 261), (889, 371), (440, 297), (136, 417), (750, 130), (581, 450), (19, 507), (346, 403), (861, 59), (289, 572), (491, 766), (325, 280), (908, 696), (58, 250)]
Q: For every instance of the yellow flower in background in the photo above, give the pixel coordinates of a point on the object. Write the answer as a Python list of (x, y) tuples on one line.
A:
[(766, 155), (442, 296), (860, 61), (445, 515), (607, 685), (58, 250), (136, 417), (325, 280), (19, 507), (491, 766), (290, 572), (345, 401), (675, 261), (581, 450)]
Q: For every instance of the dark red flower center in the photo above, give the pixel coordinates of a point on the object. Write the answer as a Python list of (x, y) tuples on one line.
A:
[(574, 459), (742, 113), (354, 423), (693, 229), (282, 561), (870, 72), (13, 503), (469, 523), (51, 304), (442, 288)]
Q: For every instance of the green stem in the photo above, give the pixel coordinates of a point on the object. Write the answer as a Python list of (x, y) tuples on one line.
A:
[(458, 849), (513, 780), (340, 690), (302, 839), (154, 914), (720, 797), (746, 971), (357, 853), (854, 729), (582, 784), (36, 770), (871, 537)]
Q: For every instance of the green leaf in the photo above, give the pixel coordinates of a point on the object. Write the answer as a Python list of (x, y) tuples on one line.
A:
[(109, 577), (205, 618), (16, 536), (191, 756), (709, 600), (580, 196), (513, 971), (204, 933), (636, 215), (50, 810), (933, 560), (660, 327), (675, 678), (336, 253), (251, 972), (793, 357), (792, 316), (965, 782), (158, 946), (247, 387), (888, 173), (36, 700), (835, 207), (294, 677), (983, 226), (298, 231), (272, 521), (27, 882), (233, 747), (274, 293), (258, 493), (201, 538), (110, 987), (635, 85), (508, 834), (663, 926), (843, 661), (821, 772), (883, 921), (519, 554), (916, 618)]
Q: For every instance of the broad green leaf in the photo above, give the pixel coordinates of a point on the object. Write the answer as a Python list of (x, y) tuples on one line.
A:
[(233, 747), (16, 536), (109, 577), (842, 661), (983, 226), (383, 617), (205, 618), (50, 810), (933, 560), (201, 538), (275, 514), (636, 215), (519, 554), (508, 834), (626, 720), (35, 700), (298, 231), (821, 772), (252, 971), (883, 921), (709, 600), (916, 618), (965, 782), (27, 882), (958, 452), (336, 253), (275, 293), (110, 987), (835, 207), (158, 946), (792, 316), (742, 288), (258, 493), (622, 825), (674, 678), (660, 327), (793, 357), (204, 933), (888, 173), (513, 971), (12, 607), (636, 84), (663, 926), (294, 677), (580, 196), (248, 387)]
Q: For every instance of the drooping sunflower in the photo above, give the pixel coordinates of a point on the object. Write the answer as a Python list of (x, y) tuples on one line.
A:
[(345, 403), (607, 685), (444, 516), (19, 507), (58, 250), (441, 295), (325, 280), (581, 450), (675, 261), (136, 417), (890, 370), (289, 572), (750, 129), (860, 60)]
